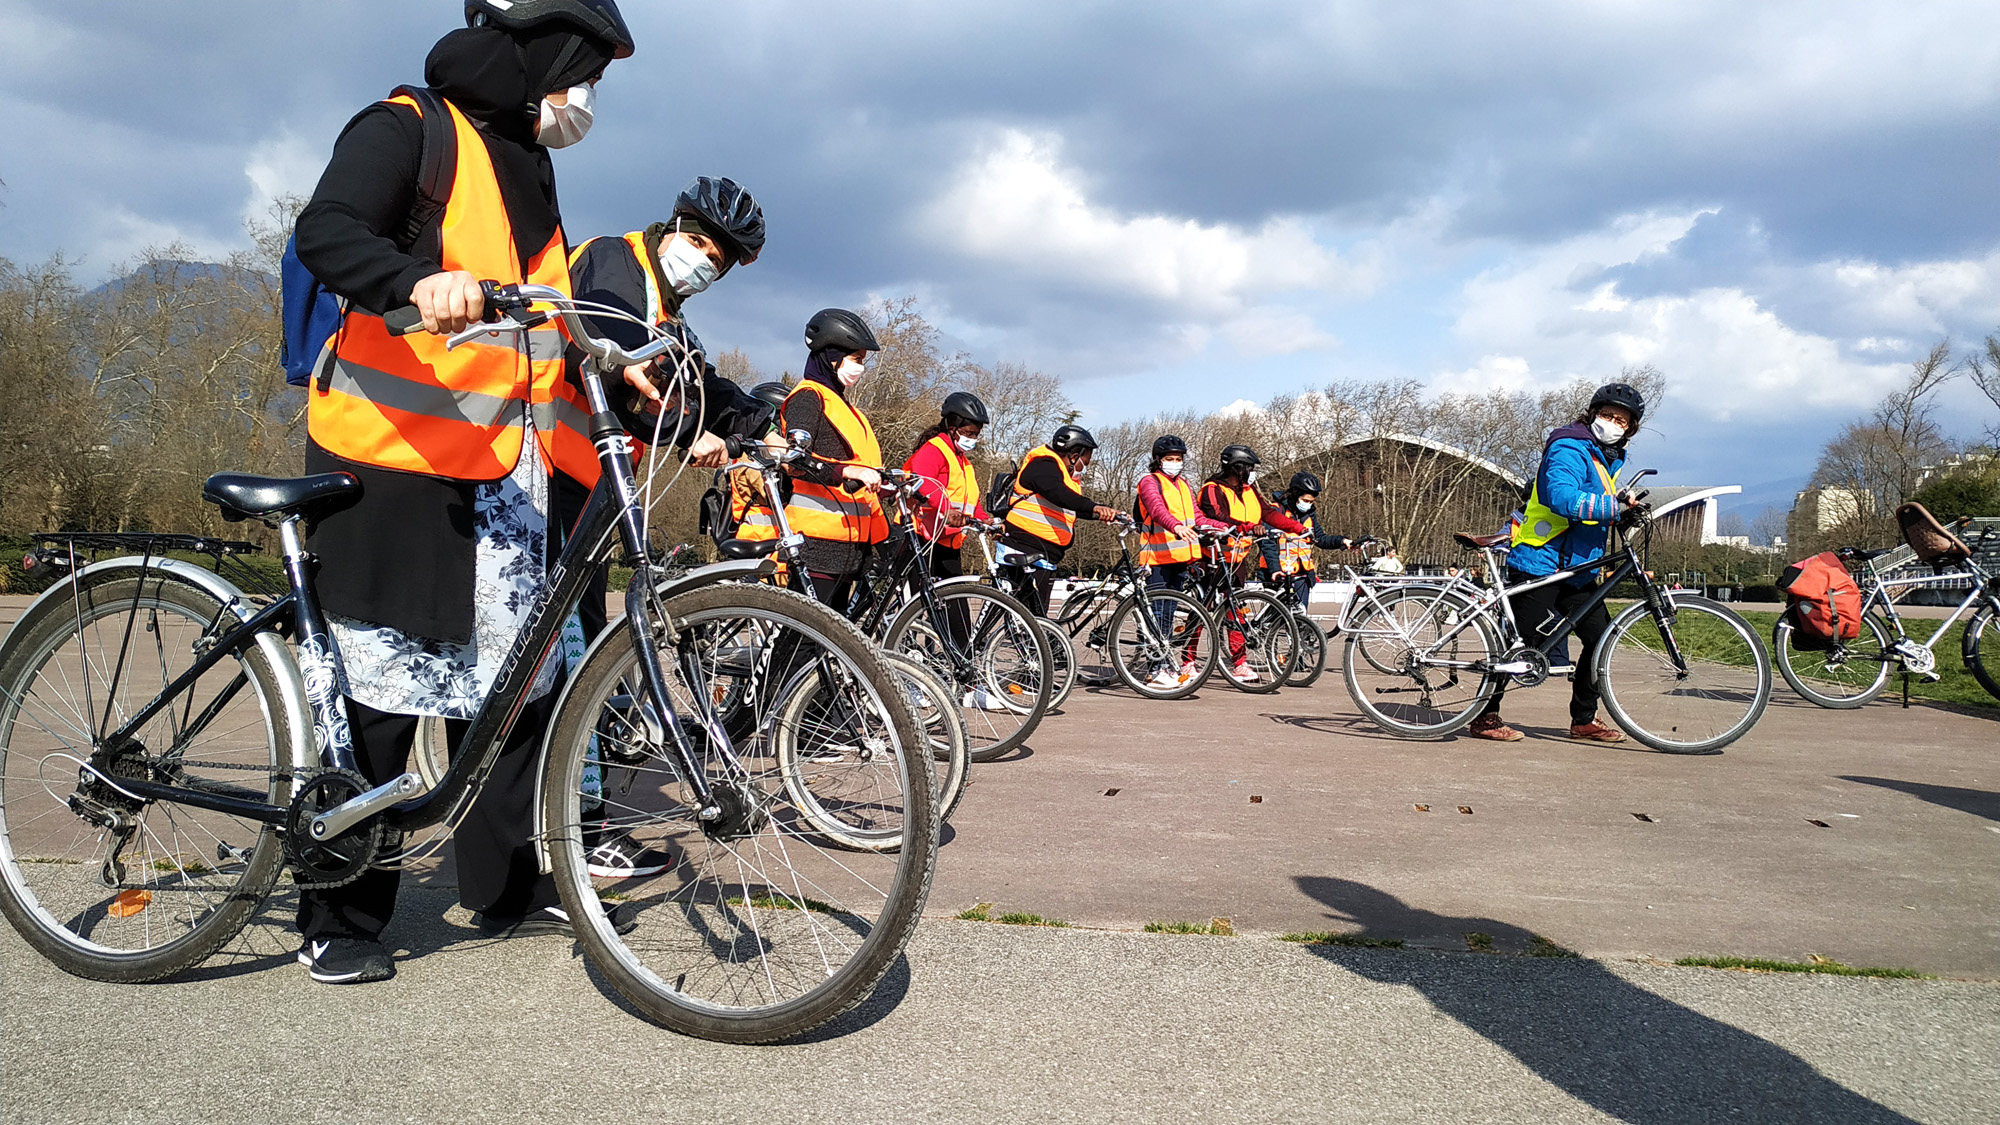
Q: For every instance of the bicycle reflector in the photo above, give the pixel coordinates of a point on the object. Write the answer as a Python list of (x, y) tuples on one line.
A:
[(129, 902)]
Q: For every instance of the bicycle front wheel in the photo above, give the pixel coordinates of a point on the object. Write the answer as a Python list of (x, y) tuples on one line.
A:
[(1162, 644), (1845, 676), (1981, 650), (764, 922), (1311, 662), (106, 885), (1260, 641), (1705, 701), (1415, 663), (985, 645), (1062, 661), (950, 762)]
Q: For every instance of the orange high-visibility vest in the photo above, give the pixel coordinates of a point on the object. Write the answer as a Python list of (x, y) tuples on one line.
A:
[(748, 506), (1159, 545), (581, 461), (1036, 515), (1305, 557), (961, 491), (406, 403), (818, 512), (1242, 507)]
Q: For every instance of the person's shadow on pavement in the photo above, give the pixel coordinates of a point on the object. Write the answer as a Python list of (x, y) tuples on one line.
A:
[(1609, 1043)]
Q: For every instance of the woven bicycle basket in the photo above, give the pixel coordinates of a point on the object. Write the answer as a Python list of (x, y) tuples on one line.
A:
[(1929, 538)]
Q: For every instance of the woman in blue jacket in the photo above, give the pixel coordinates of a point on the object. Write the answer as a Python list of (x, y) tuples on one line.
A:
[(1567, 523)]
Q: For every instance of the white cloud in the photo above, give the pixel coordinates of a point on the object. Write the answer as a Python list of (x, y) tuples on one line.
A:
[(278, 166), (1541, 319), (1016, 204), (1240, 408)]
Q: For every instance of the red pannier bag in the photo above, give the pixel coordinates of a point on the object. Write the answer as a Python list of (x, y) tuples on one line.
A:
[(1822, 600)]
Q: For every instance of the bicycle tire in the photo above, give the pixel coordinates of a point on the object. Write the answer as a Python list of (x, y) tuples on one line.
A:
[(1312, 662), (950, 762), (166, 910), (1818, 674), (1062, 661), (1004, 656), (1409, 636), (1136, 659), (759, 931), (1981, 644), (1270, 640), (1666, 718)]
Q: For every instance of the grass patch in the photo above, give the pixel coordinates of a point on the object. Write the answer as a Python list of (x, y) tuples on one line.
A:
[(1208, 928), (1020, 919), (612, 896), (1539, 946), (1817, 964), (193, 867), (1353, 941), (768, 901), (1478, 942), (51, 859), (976, 914)]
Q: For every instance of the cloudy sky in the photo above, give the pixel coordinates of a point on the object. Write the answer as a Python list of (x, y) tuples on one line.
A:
[(1180, 204)]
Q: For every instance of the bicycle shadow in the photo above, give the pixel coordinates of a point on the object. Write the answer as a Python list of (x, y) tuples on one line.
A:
[(1619, 1048), (1352, 725), (1978, 802)]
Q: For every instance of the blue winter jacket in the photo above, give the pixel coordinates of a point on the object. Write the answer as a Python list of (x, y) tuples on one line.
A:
[(1569, 485)]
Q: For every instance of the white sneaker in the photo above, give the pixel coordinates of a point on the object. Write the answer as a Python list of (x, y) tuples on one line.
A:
[(1188, 670), (979, 699), (1244, 674), (1165, 679)]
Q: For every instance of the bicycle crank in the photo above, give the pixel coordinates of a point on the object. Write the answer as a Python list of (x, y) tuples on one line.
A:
[(321, 863)]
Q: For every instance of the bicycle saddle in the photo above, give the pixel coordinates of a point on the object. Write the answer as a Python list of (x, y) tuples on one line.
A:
[(1015, 556), (1862, 554), (242, 496), (748, 548), (1481, 542)]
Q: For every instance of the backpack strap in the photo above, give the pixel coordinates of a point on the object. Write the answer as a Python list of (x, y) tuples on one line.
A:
[(421, 236)]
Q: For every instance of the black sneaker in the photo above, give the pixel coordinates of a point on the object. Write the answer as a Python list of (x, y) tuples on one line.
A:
[(345, 960), (552, 921), (615, 855)]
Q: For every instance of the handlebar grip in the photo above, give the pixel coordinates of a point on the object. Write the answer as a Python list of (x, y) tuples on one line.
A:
[(734, 447), (403, 321)]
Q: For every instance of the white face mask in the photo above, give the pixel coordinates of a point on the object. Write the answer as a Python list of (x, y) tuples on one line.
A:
[(965, 444), (561, 126), (850, 371), (1251, 477), (1607, 431), (1305, 505), (688, 270), (1171, 468)]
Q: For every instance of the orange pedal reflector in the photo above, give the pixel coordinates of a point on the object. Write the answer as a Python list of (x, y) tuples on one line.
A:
[(130, 902), (1016, 689)]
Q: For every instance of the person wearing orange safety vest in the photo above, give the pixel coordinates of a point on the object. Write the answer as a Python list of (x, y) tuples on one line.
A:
[(1168, 519), (1230, 496), (833, 502), (1047, 502), (426, 577), (947, 486), (1293, 559)]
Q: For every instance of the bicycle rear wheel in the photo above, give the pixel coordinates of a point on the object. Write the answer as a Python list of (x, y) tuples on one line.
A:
[(1696, 709), (1260, 642), (1415, 662), (1162, 631), (767, 923), (1981, 650), (106, 885), (1062, 661), (1312, 652), (1843, 677), (985, 645)]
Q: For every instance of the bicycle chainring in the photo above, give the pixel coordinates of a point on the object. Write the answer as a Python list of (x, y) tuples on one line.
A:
[(1537, 662), (1916, 658), (319, 864)]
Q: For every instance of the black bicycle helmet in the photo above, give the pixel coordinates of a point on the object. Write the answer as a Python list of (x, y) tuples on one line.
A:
[(1304, 483), (596, 18), (727, 213), (966, 405), (1168, 443), (1620, 394), (841, 330), (1234, 456), (773, 392), (1070, 438)]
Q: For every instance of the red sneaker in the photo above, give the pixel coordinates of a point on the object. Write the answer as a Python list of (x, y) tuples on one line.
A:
[(1594, 731)]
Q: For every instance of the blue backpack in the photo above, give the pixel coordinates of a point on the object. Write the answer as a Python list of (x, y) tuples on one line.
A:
[(312, 312)]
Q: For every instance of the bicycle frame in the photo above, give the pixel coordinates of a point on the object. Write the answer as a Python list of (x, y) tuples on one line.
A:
[(1879, 588), (613, 507)]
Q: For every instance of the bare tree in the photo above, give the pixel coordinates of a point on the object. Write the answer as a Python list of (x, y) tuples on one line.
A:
[(1877, 463)]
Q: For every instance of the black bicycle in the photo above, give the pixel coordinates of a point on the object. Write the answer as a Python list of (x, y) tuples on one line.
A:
[(168, 745), (1262, 639)]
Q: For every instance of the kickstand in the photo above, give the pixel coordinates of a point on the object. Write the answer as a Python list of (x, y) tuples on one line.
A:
[(1906, 691)]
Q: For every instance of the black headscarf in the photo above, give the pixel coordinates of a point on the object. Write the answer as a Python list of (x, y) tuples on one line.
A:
[(500, 79), (819, 369)]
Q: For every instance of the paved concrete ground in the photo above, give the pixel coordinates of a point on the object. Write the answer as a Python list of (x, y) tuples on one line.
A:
[(985, 1022)]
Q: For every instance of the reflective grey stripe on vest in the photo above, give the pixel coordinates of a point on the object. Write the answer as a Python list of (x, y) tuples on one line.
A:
[(845, 509), (411, 397), (561, 411)]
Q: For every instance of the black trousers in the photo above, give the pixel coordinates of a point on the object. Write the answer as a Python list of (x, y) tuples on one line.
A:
[(1549, 605), (1035, 587), (498, 873)]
